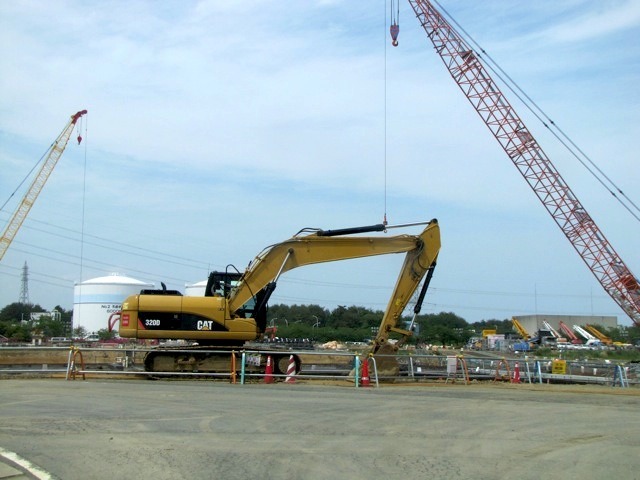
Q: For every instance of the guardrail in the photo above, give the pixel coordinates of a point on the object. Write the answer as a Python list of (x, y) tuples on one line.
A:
[(319, 365)]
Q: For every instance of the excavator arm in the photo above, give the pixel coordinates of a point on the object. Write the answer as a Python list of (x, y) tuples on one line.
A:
[(420, 261), (329, 246)]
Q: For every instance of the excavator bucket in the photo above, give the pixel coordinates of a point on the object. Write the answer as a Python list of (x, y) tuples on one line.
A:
[(386, 363)]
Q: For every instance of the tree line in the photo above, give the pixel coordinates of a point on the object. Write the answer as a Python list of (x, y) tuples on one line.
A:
[(19, 325), (358, 324), (343, 323)]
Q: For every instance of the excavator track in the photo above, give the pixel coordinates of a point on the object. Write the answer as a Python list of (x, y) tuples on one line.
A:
[(208, 359)]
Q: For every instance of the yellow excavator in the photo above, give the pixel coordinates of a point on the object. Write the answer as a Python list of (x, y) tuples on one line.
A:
[(234, 308)]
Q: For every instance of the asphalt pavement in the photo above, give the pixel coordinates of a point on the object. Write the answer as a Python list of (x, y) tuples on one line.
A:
[(192, 429)]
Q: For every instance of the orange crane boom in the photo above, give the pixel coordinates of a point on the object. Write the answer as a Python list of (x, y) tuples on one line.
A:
[(520, 328), (472, 77), (601, 336), (52, 157)]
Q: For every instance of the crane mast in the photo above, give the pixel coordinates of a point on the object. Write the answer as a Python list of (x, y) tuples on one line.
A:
[(52, 157), (465, 67)]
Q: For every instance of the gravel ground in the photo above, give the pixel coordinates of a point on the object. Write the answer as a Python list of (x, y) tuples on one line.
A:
[(111, 429)]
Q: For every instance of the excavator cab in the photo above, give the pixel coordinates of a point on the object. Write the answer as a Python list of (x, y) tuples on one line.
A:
[(221, 284)]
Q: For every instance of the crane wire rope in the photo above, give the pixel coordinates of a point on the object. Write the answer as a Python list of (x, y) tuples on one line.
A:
[(548, 123), (394, 20), (385, 114), (83, 207), (28, 174)]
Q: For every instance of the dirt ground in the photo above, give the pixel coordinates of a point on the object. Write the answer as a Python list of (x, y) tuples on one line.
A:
[(189, 429)]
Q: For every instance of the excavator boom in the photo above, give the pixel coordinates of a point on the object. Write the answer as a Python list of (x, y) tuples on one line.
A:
[(319, 247)]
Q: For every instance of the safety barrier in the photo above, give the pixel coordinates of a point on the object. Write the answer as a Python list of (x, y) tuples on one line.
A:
[(72, 365), (316, 364), (452, 369), (620, 375), (502, 363)]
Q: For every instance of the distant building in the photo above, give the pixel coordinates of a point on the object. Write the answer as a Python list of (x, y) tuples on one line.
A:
[(533, 323)]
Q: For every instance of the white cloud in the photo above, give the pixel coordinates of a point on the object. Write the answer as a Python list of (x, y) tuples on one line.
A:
[(601, 19), (217, 128)]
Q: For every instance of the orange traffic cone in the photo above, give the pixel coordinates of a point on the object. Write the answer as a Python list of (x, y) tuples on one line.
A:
[(268, 373), (365, 374), (291, 371), (516, 374)]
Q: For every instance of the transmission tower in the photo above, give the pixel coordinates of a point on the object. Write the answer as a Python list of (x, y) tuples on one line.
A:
[(24, 289)]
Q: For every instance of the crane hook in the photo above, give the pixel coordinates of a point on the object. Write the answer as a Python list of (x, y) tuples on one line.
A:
[(394, 29), (79, 139)]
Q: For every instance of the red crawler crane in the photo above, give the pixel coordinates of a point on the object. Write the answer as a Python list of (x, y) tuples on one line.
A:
[(471, 76)]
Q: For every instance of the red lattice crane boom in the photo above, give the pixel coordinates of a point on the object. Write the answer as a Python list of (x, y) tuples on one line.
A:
[(531, 161)]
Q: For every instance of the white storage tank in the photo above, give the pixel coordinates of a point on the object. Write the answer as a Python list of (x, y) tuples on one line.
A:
[(195, 289), (95, 300)]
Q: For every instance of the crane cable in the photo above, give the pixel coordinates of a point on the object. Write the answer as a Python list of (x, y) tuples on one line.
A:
[(384, 220), (395, 20), (548, 123), (28, 174), (393, 30), (84, 194)]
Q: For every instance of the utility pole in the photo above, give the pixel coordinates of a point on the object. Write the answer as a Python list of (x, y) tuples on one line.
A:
[(24, 289)]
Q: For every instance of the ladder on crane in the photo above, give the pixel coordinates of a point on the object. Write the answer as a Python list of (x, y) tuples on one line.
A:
[(483, 93), (52, 157)]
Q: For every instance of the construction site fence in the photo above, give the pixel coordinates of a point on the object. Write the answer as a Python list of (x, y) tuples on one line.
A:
[(320, 364)]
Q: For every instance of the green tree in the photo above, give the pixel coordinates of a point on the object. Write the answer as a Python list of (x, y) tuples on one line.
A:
[(443, 328), (350, 317), (79, 332), (501, 326), (19, 312), (50, 327), (17, 332), (105, 334), (16, 323)]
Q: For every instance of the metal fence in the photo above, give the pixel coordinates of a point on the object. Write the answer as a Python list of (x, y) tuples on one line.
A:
[(319, 365)]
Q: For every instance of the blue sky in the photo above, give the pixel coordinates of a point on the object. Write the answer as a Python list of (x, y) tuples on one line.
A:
[(218, 128)]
